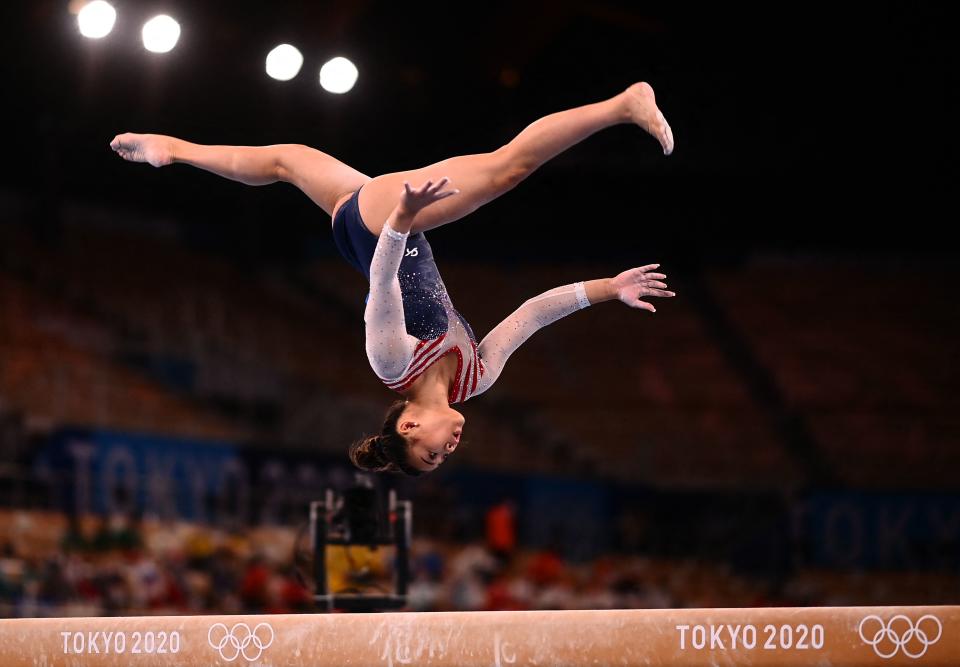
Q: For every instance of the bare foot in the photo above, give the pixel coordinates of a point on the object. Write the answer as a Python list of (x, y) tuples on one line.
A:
[(152, 148), (642, 107)]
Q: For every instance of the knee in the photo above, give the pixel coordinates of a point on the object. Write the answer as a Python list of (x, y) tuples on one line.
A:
[(283, 158), (513, 176), (511, 168)]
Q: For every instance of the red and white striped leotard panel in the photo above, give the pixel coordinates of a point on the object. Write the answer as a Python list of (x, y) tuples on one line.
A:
[(456, 340)]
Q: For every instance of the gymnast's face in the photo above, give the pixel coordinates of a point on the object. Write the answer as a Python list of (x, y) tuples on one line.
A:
[(433, 434)]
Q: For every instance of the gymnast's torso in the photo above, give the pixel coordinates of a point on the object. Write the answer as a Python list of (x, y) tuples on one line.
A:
[(429, 314)]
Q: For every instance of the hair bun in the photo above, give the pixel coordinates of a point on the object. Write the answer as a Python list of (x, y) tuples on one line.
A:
[(369, 454), (386, 452)]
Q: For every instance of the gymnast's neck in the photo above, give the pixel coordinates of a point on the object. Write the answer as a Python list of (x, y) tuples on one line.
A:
[(433, 387)]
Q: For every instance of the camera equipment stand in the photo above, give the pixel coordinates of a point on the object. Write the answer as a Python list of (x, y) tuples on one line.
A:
[(354, 518)]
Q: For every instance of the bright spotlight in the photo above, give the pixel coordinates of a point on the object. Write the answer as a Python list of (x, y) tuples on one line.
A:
[(338, 75), (96, 19), (160, 34), (283, 62)]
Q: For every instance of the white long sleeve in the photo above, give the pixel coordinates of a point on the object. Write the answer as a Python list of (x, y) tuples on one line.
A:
[(389, 347), (533, 315)]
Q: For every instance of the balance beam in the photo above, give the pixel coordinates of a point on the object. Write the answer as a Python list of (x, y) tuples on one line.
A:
[(838, 636)]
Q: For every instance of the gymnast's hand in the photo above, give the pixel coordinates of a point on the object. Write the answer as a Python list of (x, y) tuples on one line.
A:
[(155, 149), (413, 201), (633, 284)]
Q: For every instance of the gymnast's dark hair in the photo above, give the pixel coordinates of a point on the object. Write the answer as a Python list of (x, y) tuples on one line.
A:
[(386, 452)]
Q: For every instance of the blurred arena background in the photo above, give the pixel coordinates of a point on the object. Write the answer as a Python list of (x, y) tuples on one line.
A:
[(181, 358)]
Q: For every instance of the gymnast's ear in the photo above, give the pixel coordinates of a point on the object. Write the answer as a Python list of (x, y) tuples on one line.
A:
[(406, 426)]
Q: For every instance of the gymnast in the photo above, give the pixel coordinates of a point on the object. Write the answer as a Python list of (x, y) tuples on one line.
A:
[(416, 341)]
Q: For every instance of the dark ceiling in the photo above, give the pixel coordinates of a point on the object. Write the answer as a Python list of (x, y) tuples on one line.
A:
[(802, 128)]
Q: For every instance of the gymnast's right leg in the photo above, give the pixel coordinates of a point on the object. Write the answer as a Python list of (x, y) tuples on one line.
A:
[(321, 177)]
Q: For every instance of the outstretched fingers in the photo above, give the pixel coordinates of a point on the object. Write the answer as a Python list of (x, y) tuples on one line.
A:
[(643, 305), (415, 199), (655, 288), (438, 187), (435, 191), (650, 286), (430, 189), (642, 282)]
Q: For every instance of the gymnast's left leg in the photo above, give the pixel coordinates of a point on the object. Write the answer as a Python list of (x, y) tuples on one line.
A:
[(483, 177)]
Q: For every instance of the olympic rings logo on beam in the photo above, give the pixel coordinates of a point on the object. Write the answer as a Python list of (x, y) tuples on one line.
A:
[(236, 641), (912, 638)]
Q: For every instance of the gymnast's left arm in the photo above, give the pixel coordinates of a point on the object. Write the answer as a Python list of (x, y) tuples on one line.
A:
[(629, 287)]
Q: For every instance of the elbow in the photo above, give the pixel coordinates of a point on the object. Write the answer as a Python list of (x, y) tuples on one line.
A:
[(386, 367)]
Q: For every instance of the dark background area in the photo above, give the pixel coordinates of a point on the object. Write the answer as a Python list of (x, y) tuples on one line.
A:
[(785, 432), (799, 128)]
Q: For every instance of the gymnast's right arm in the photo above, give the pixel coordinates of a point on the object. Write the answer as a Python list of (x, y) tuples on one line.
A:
[(389, 347)]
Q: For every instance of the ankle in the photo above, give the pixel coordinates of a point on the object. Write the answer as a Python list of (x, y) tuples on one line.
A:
[(620, 108)]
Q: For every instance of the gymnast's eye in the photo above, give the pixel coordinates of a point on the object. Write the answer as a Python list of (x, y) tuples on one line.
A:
[(432, 456)]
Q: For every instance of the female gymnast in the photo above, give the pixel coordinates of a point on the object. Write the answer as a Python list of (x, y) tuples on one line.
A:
[(416, 341)]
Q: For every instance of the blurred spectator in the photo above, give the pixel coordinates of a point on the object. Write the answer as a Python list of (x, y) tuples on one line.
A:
[(546, 568), (502, 529), (117, 532), (192, 569), (428, 566), (75, 539), (253, 589)]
